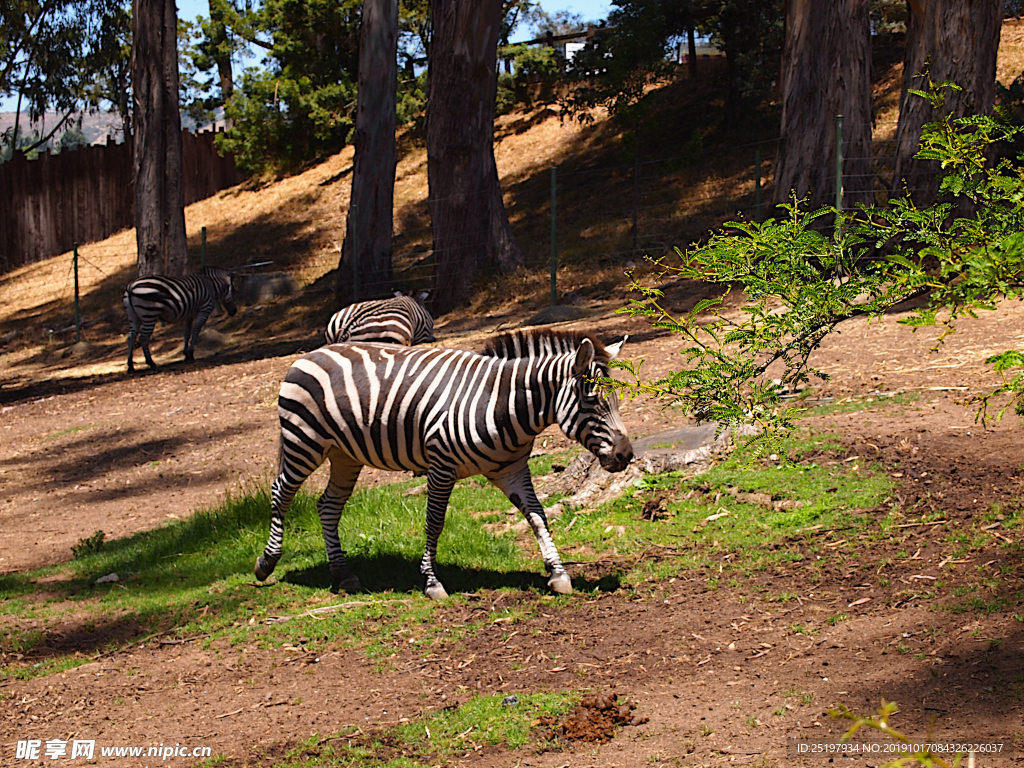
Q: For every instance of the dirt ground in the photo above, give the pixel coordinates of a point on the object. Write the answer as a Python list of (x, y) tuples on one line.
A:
[(720, 677)]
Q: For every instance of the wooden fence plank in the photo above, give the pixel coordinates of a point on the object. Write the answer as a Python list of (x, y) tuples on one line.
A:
[(85, 195)]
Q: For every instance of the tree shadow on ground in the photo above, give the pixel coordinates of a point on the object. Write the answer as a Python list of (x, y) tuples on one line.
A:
[(118, 450)]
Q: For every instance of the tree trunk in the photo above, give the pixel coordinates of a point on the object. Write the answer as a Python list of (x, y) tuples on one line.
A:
[(826, 71), (470, 225), (159, 180), (222, 49), (954, 40), (370, 219)]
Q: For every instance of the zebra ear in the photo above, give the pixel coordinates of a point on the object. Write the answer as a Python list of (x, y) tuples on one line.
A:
[(584, 357), (422, 296), (399, 294), (614, 349)]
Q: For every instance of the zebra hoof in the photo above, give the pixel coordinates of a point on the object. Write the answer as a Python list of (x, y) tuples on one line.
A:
[(437, 592), (561, 583), (345, 582), (263, 568)]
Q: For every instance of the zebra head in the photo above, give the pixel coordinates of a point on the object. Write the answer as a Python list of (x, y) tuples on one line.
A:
[(220, 279), (590, 416)]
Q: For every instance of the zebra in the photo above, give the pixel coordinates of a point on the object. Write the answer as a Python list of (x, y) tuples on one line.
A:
[(451, 413), (191, 298), (399, 320)]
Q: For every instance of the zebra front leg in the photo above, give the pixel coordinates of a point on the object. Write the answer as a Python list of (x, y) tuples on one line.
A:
[(440, 481), (329, 507), (518, 486), (189, 343), (192, 328)]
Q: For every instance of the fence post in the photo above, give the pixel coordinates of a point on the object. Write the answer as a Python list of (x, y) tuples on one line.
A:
[(78, 323), (757, 185), (636, 190), (353, 211), (202, 248), (554, 234), (839, 162)]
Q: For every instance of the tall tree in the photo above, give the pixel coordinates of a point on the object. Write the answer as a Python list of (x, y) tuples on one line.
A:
[(470, 226), (219, 47), (110, 59), (370, 220), (953, 40), (300, 106), (43, 58), (159, 180), (826, 71)]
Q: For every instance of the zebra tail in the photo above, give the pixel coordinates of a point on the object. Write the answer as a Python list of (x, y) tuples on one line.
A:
[(280, 454)]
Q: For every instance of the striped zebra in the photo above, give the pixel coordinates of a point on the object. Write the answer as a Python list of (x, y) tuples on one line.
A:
[(191, 298), (451, 413), (400, 320)]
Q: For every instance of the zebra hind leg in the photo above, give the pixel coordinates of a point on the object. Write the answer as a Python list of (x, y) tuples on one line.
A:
[(285, 486), (131, 349), (343, 479), (440, 481)]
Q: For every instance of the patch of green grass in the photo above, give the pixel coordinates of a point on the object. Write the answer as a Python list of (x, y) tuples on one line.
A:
[(864, 403), (979, 604), (194, 576), (438, 737), (748, 537), (803, 629), (70, 431)]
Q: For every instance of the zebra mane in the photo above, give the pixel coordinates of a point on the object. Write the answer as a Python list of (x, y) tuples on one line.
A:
[(541, 343), (215, 272)]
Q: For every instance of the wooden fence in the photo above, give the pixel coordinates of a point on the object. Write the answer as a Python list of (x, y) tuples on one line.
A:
[(87, 194)]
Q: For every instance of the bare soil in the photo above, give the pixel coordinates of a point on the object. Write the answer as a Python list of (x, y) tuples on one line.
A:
[(719, 674)]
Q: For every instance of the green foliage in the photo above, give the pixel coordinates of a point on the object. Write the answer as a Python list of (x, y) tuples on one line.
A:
[(799, 284), (535, 70), (914, 753), (889, 17), (279, 123), (622, 59), (302, 105), (89, 545)]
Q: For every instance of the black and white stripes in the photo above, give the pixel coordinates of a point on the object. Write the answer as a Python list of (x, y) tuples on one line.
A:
[(401, 320), (450, 413), (172, 299)]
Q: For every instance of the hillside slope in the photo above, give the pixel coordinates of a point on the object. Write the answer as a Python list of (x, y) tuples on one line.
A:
[(625, 190)]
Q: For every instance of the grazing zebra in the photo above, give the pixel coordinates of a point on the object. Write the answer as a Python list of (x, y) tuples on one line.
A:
[(449, 412), (171, 299), (401, 320)]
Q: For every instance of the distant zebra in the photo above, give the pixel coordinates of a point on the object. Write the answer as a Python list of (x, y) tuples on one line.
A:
[(171, 299), (452, 413), (401, 320)]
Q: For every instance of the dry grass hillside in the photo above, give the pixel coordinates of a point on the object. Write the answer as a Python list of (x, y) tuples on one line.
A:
[(696, 170)]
